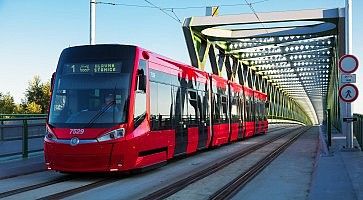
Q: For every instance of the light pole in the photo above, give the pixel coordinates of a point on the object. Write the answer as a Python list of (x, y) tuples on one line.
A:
[(92, 34)]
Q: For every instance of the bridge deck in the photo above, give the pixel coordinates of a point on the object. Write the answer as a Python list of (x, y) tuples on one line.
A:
[(303, 171)]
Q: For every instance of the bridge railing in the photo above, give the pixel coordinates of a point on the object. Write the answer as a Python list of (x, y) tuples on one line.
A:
[(21, 134), (358, 129)]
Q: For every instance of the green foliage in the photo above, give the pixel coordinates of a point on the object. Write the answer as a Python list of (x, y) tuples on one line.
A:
[(21, 108), (33, 108), (37, 96), (7, 105)]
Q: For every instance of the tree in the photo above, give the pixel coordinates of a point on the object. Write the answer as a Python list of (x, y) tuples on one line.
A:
[(7, 105), (37, 96), (33, 108)]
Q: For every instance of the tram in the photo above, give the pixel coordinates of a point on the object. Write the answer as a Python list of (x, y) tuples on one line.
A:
[(121, 107)]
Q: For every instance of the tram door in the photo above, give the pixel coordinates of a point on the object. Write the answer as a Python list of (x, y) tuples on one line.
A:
[(204, 120), (241, 109), (181, 120), (254, 113)]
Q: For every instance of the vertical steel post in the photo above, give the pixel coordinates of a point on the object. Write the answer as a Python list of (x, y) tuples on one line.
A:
[(2, 131), (25, 138), (348, 127), (328, 126), (92, 38)]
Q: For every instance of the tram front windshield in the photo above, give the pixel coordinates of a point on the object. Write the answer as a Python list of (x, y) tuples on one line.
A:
[(90, 94), (91, 87)]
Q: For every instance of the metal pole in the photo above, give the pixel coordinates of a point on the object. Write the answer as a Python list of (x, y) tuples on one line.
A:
[(328, 126), (1, 131), (348, 50), (25, 138), (348, 27), (92, 36)]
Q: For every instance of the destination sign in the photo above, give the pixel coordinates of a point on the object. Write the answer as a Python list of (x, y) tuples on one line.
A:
[(92, 68)]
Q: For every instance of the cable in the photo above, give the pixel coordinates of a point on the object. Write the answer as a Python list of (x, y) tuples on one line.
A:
[(172, 10), (176, 19), (177, 8), (122, 4), (254, 12)]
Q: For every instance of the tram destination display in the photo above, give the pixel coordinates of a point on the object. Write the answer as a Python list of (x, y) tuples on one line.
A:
[(92, 68)]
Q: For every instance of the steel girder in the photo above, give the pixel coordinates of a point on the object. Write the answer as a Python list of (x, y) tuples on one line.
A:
[(294, 64)]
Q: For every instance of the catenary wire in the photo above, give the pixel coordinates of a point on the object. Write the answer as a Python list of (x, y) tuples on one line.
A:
[(171, 9), (176, 8), (254, 12)]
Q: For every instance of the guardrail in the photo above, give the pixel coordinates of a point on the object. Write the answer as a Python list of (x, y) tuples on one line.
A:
[(358, 129), (21, 134)]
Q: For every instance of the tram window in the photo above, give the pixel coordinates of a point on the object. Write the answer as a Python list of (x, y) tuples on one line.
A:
[(181, 104), (165, 106), (154, 106), (140, 98), (253, 109), (234, 108), (140, 101), (248, 109), (242, 108), (217, 109), (192, 107), (256, 110), (60, 100), (262, 108), (201, 105), (205, 104), (224, 107)]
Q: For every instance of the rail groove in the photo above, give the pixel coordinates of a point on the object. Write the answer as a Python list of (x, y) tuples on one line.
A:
[(36, 186), (231, 188), (77, 190), (181, 184)]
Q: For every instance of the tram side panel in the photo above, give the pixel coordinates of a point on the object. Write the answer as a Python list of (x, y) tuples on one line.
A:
[(220, 116), (185, 91)]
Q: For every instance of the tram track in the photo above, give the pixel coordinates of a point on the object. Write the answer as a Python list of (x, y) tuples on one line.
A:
[(92, 184), (44, 169), (231, 188), (84, 188), (96, 184), (35, 186), (181, 184)]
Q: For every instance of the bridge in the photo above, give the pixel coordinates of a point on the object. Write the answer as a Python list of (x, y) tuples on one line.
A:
[(313, 147)]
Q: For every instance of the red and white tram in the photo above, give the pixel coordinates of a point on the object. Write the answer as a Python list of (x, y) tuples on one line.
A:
[(121, 107)]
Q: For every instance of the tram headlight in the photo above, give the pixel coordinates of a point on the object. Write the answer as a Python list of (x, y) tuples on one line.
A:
[(49, 135), (112, 135)]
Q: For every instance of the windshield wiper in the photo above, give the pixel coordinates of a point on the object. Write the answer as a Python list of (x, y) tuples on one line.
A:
[(100, 113)]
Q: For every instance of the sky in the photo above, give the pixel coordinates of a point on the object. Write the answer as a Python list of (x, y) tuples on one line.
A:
[(34, 32)]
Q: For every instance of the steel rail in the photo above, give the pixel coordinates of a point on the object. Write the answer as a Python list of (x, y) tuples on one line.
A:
[(43, 169), (99, 183), (90, 186), (234, 186), (181, 184), (36, 186), (77, 190)]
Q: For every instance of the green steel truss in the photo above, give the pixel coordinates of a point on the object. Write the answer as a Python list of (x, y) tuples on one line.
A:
[(296, 65)]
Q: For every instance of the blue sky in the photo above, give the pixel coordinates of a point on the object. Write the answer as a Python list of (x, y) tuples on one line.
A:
[(34, 32)]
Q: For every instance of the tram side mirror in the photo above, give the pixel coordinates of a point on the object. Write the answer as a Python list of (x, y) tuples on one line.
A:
[(141, 86), (52, 82)]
